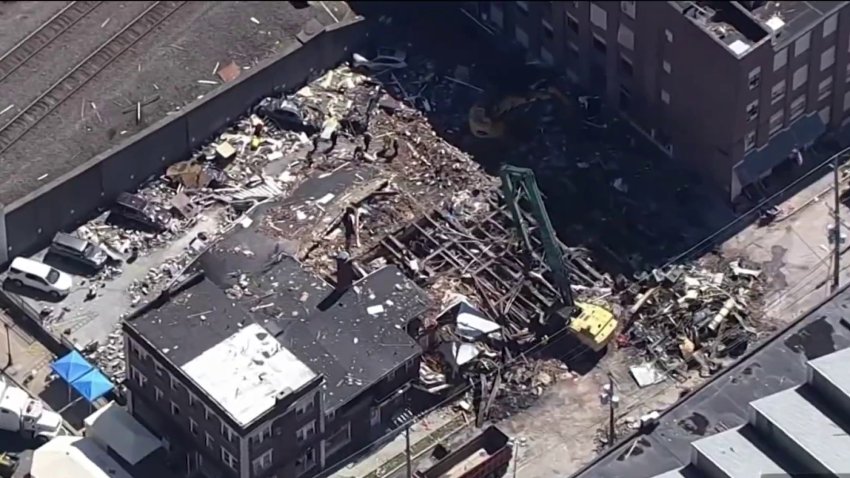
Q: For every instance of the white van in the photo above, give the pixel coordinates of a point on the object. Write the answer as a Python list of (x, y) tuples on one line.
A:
[(30, 273)]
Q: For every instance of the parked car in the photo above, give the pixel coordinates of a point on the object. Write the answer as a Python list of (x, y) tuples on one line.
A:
[(40, 276), (78, 250), (137, 210)]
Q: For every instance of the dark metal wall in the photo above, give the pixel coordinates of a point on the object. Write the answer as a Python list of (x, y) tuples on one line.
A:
[(72, 199)]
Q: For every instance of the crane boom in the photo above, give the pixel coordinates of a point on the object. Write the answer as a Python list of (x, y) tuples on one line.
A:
[(520, 183)]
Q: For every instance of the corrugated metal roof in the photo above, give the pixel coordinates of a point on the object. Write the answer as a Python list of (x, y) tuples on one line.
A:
[(733, 455), (804, 429)]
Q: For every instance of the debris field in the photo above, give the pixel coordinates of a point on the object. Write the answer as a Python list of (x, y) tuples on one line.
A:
[(420, 203)]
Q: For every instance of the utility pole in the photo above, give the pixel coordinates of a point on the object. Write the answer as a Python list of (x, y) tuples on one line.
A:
[(407, 451), (8, 345), (612, 433), (836, 260)]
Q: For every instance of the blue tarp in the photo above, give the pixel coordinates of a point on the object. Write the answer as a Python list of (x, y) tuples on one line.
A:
[(92, 385), (71, 366)]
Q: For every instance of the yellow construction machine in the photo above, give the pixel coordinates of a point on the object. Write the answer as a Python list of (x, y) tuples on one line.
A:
[(488, 122)]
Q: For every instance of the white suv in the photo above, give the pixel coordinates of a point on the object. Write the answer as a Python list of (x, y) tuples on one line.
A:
[(27, 272)]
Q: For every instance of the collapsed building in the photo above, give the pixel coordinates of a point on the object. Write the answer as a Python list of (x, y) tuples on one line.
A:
[(337, 256)]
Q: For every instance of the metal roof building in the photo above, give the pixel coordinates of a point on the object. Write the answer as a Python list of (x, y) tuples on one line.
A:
[(802, 430), (782, 410)]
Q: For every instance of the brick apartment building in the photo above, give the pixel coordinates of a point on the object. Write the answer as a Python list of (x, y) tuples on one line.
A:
[(281, 387), (732, 88)]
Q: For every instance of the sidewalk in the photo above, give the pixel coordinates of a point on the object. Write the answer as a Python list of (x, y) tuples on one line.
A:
[(383, 461), (794, 252)]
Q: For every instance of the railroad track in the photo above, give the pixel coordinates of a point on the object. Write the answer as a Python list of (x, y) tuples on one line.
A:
[(84, 71), (43, 36)]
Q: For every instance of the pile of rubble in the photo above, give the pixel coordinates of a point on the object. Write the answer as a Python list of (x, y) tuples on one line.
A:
[(109, 357), (519, 387), (692, 316)]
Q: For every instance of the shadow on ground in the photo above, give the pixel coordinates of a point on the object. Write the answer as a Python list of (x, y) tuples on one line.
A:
[(73, 408)]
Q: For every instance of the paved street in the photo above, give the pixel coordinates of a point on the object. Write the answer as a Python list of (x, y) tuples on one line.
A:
[(794, 251)]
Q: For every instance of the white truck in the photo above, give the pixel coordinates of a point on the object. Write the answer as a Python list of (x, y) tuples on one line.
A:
[(21, 414)]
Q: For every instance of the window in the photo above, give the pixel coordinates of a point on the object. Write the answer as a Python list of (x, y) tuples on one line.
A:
[(626, 68), (847, 73), (521, 36), (599, 44), (777, 92), (193, 427), (776, 122), (625, 100), (750, 141), (548, 30), (780, 59), (175, 410), (305, 461), (264, 434), (665, 97), (827, 58), (158, 393), (825, 88), (847, 101), (598, 16), (304, 407), (829, 25), (173, 382), (798, 106), (628, 8), (666, 66), (207, 413), (329, 417), (522, 6), (546, 57), (669, 35), (227, 433), (339, 439), (754, 78), (138, 377), (306, 431), (159, 369), (800, 77), (228, 459), (753, 110), (497, 16), (802, 44), (209, 440), (192, 399), (572, 23), (263, 462), (140, 352), (626, 37)]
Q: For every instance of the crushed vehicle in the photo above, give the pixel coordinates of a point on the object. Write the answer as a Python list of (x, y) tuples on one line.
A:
[(78, 250), (385, 59), (137, 211)]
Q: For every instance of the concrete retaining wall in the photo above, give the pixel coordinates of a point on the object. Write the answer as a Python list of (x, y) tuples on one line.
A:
[(75, 197)]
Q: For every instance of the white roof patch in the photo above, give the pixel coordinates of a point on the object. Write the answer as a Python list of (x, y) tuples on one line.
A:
[(246, 371), (739, 47)]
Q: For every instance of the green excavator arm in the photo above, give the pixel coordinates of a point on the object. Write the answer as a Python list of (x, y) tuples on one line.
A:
[(520, 183)]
